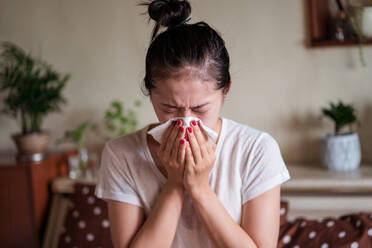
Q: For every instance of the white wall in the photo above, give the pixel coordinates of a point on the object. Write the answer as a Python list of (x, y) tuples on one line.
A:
[(279, 85)]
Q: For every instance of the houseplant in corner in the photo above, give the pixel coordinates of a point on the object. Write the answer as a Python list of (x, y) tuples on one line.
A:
[(341, 150), (32, 89)]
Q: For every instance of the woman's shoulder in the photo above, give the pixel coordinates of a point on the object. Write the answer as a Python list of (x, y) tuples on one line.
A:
[(247, 135), (240, 130), (129, 142)]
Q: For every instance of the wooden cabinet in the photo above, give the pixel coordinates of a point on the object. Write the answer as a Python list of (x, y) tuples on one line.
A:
[(315, 192), (320, 13), (25, 192)]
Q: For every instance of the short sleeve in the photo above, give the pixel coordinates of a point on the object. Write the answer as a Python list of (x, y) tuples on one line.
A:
[(264, 170), (114, 181)]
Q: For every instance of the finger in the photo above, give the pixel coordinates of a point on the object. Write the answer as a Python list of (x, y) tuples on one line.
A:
[(182, 151), (202, 141), (194, 145), (171, 139), (177, 142), (202, 130), (190, 163), (166, 135)]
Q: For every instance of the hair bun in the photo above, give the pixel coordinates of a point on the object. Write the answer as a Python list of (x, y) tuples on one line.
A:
[(169, 13)]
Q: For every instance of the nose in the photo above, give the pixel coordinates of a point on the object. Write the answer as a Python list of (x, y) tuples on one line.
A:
[(185, 113)]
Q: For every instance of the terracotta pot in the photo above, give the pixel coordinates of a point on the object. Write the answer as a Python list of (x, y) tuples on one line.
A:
[(32, 143)]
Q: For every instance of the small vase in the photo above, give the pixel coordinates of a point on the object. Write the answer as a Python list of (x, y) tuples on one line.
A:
[(341, 152), (366, 22), (78, 164), (83, 161)]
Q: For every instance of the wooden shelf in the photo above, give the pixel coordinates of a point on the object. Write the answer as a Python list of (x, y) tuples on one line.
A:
[(335, 43), (319, 14)]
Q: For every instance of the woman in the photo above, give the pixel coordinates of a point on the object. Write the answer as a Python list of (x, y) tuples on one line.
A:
[(186, 191)]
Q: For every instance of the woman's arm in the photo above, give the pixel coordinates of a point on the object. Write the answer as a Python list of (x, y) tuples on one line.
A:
[(128, 228), (260, 219), (161, 225)]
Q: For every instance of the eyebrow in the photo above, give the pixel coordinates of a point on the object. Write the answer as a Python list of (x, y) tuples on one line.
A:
[(171, 106)]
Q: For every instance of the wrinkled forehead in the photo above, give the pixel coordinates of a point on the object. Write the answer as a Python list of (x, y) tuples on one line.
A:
[(184, 85)]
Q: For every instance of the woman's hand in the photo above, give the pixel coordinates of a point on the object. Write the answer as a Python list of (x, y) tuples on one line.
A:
[(172, 153), (200, 158)]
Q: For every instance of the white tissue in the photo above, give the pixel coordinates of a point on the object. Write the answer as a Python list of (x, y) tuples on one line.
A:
[(158, 131)]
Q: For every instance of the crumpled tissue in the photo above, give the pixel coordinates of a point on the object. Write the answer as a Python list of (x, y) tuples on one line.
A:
[(158, 131)]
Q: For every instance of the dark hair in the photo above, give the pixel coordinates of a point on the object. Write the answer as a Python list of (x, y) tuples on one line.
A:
[(196, 47)]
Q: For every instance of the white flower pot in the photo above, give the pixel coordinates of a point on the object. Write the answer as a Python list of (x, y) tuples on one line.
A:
[(366, 22), (341, 152)]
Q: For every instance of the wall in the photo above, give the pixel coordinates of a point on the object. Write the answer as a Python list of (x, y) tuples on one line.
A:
[(279, 85)]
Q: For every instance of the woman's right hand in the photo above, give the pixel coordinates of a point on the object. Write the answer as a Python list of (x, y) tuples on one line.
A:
[(172, 153)]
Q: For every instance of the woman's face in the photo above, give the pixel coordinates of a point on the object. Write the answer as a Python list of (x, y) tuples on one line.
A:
[(187, 96)]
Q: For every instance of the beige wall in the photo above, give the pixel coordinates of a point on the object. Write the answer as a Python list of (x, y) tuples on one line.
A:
[(279, 85)]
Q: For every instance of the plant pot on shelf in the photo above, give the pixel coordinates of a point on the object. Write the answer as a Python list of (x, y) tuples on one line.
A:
[(366, 21), (341, 152), (32, 146)]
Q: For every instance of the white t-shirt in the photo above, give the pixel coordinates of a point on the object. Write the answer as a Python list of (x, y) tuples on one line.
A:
[(248, 163)]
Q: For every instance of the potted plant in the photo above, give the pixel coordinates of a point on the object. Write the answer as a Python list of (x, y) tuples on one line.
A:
[(32, 90), (119, 121), (341, 150)]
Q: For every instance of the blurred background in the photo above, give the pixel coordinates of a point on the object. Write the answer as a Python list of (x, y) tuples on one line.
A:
[(289, 60), (279, 81)]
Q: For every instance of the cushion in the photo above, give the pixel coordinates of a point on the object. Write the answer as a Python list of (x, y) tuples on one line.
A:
[(86, 223), (352, 230)]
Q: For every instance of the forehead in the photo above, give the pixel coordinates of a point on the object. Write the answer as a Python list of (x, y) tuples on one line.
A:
[(185, 87)]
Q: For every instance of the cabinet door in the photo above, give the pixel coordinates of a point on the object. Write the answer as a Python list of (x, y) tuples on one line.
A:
[(17, 228)]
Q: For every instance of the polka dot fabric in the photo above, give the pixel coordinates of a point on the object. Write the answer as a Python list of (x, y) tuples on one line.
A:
[(283, 212), (86, 223), (347, 231)]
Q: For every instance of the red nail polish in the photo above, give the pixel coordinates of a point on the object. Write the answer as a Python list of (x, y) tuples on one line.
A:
[(199, 123), (193, 123), (182, 129), (182, 141), (179, 122), (189, 129), (187, 139)]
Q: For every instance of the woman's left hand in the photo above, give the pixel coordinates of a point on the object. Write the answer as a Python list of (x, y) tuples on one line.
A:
[(200, 158)]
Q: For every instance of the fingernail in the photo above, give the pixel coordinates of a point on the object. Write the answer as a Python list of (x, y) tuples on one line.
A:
[(182, 141), (189, 129), (199, 123), (182, 129), (179, 122), (193, 123), (187, 139)]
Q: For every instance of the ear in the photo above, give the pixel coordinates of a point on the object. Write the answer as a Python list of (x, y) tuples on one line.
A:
[(227, 90)]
